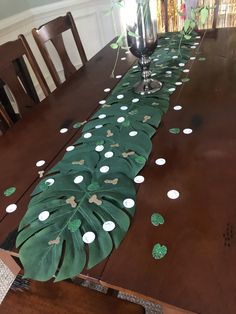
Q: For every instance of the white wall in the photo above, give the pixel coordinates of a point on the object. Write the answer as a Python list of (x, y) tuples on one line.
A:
[(95, 28)]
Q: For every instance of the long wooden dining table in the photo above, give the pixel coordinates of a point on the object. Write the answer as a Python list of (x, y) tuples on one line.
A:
[(198, 273)]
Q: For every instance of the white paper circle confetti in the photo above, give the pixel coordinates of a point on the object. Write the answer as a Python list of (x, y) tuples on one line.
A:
[(156, 59), (193, 47), (135, 66), (192, 58), (63, 130), (198, 37), (128, 203), (178, 83), (133, 133), (87, 135), (139, 179), (175, 57), (168, 72), (78, 179), (102, 102), (49, 182), (167, 48), (127, 52), (89, 237), (118, 76), (186, 70), (135, 100), (40, 163), (99, 148), (102, 116), (104, 169), (109, 154), (11, 208), (196, 44), (120, 119), (98, 126), (173, 194), (160, 161), (108, 226), (177, 107), (123, 58), (181, 64), (70, 148), (187, 131), (172, 89), (107, 90), (43, 215), (120, 96), (123, 108)]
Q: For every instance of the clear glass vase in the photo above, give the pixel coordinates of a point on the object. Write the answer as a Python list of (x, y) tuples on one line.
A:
[(142, 38)]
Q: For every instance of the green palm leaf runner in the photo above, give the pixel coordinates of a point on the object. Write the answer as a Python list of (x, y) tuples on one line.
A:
[(83, 206)]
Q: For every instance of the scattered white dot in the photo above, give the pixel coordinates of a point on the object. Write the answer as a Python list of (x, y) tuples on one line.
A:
[(173, 194), (158, 46), (102, 116), (167, 38), (63, 130), (118, 76), (78, 179), (120, 119), (160, 161), (135, 66), (128, 203), (40, 163), (49, 182), (198, 37), (186, 70), (107, 90), (168, 72), (178, 83), (196, 44), (127, 52), (181, 64), (123, 58), (104, 169), (133, 133), (139, 179), (172, 89), (89, 237), (153, 74), (178, 107), (11, 208), (187, 131), (70, 148), (156, 59), (192, 58), (102, 102), (108, 226), (193, 47), (43, 215), (120, 96), (135, 100), (109, 154), (87, 135), (99, 148), (166, 48), (98, 126), (123, 108), (175, 57)]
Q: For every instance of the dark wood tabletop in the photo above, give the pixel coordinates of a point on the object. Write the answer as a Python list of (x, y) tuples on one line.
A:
[(198, 272)]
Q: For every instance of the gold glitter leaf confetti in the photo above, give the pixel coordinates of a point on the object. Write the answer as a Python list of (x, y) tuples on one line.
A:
[(56, 241), (71, 201), (115, 145), (41, 173), (79, 162), (94, 199), (146, 118), (114, 181), (127, 154), (109, 133)]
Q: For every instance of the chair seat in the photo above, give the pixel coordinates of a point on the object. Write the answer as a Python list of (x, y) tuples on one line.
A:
[(64, 297)]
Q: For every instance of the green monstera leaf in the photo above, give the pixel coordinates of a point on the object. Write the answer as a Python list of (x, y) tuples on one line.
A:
[(82, 208)]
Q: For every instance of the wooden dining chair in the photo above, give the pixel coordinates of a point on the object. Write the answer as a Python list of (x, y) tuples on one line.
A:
[(10, 53), (64, 297), (52, 31)]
